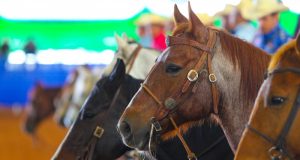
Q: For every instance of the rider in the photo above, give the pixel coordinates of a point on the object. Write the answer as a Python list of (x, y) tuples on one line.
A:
[(236, 20), (151, 29), (270, 35)]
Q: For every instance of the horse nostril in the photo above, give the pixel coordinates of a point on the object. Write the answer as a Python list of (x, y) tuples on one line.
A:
[(125, 129)]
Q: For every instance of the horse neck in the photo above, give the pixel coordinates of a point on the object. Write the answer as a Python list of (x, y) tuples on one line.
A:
[(143, 63), (236, 101)]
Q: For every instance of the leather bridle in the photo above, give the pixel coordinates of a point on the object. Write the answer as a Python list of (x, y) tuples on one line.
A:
[(170, 104), (279, 149)]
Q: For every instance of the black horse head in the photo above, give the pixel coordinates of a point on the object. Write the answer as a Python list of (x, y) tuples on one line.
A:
[(101, 111)]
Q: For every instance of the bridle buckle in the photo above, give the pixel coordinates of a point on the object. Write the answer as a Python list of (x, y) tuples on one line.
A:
[(192, 76), (156, 124), (98, 132), (276, 153), (212, 78)]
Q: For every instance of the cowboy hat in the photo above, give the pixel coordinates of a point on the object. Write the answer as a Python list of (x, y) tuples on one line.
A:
[(205, 18), (226, 11), (150, 18), (244, 7), (266, 7)]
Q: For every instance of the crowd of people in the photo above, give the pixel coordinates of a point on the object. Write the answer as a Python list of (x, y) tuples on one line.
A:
[(29, 48), (240, 20)]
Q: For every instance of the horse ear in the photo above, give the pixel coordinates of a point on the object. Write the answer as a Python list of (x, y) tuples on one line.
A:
[(39, 84), (298, 43), (125, 37), (118, 72), (196, 26), (120, 41), (178, 17)]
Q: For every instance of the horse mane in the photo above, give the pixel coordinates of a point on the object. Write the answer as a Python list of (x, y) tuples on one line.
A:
[(281, 52), (252, 64)]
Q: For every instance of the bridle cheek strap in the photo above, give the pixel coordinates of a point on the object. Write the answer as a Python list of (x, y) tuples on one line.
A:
[(132, 59), (88, 152), (191, 155), (205, 55)]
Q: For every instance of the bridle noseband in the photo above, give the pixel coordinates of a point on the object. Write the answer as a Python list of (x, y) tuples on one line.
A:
[(170, 104), (279, 150)]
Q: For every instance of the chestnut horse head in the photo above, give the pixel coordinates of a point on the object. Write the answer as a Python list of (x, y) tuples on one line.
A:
[(203, 73), (41, 105), (273, 128)]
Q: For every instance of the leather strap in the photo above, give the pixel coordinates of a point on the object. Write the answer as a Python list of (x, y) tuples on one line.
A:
[(172, 40), (90, 148), (191, 155), (214, 90), (132, 58)]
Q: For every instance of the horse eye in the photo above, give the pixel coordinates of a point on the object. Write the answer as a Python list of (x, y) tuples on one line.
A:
[(173, 68), (277, 100), (88, 115)]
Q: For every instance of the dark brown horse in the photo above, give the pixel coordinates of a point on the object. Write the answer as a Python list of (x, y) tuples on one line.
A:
[(204, 73), (274, 125), (41, 105)]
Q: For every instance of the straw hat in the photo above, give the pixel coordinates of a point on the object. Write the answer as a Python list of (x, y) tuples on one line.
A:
[(150, 18), (205, 18), (226, 11), (266, 7), (244, 7)]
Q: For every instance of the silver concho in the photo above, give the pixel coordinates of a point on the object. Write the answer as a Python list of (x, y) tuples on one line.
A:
[(170, 103)]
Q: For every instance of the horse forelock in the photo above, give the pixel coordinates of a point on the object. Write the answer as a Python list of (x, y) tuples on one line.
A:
[(251, 61), (280, 53), (180, 28)]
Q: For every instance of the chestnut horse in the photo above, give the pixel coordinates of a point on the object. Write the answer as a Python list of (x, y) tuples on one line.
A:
[(41, 105), (274, 124), (204, 73)]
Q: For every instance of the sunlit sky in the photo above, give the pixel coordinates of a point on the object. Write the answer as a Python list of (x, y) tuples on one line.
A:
[(108, 9), (100, 9)]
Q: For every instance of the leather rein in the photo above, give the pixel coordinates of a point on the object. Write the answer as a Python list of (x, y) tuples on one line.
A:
[(98, 132), (279, 150), (170, 104)]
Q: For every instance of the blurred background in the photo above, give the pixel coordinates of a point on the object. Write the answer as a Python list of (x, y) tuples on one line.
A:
[(44, 41)]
